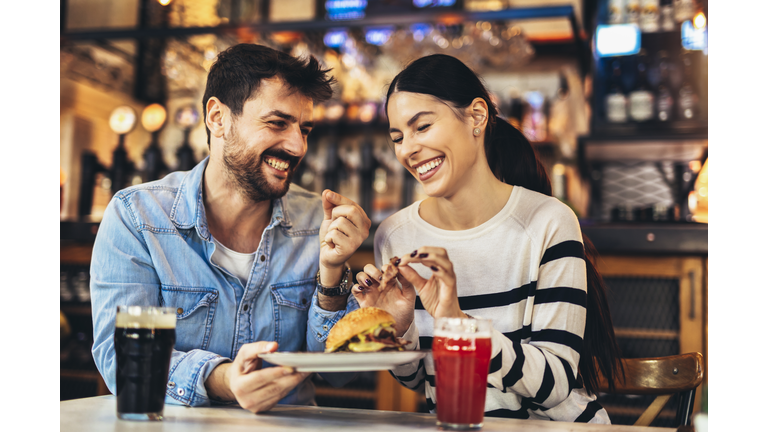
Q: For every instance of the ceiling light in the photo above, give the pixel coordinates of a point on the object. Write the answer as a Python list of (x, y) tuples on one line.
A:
[(153, 117), (122, 120), (699, 21)]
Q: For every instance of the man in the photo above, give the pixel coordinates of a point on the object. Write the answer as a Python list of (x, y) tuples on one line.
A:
[(232, 244)]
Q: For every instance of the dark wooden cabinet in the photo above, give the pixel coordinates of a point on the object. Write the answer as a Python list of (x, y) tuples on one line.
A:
[(658, 306)]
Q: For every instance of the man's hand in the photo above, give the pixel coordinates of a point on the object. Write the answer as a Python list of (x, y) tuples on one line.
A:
[(244, 381), (345, 226)]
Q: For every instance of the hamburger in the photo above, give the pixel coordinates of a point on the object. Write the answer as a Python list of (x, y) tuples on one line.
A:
[(367, 329)]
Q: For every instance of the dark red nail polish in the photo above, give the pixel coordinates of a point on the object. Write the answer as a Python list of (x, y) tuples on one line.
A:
[(368, 282), (424, 255), (413, 254), (433, 268), (397, 263)]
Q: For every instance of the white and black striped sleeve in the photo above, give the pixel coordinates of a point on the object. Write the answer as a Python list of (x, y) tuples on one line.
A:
[(411, 375), (539, 363)]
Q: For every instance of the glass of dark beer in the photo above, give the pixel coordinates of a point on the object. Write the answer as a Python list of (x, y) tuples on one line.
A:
[(144, 339)]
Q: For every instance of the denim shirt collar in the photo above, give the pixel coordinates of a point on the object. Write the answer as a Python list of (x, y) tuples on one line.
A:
[(189, 210)]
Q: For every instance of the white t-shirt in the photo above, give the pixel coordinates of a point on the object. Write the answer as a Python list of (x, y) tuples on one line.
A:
[(524, 270), (239, 264)]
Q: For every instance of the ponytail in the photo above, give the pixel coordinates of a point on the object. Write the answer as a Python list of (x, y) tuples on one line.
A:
[(513, 160)]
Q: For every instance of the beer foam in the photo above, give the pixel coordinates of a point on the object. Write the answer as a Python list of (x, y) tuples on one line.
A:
[(463, 328), (145, 320), (486, 334)]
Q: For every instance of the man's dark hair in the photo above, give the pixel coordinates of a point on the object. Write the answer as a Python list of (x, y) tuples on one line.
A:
[(237, 72)]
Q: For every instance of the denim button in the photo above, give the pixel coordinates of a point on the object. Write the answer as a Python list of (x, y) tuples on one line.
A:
[(325, 328), (263, 258), (171, 384), (180, 392), (179, 311)]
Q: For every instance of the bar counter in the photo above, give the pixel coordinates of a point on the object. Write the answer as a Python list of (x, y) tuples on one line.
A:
[(98, 414)]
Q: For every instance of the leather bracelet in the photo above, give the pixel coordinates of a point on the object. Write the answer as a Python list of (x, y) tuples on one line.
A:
[(343, 288)]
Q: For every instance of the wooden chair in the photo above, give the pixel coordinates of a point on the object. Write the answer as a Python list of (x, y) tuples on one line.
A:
[(664, 377)]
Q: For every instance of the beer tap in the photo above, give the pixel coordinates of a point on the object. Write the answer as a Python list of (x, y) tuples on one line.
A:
[(153, 119), (366, 172), (187, 118), (121, 121)]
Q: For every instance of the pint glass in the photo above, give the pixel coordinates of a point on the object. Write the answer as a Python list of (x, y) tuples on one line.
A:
[(461, 349), (144, 339)]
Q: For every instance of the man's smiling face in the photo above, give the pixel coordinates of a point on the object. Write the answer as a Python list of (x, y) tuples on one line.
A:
[(267, 141)]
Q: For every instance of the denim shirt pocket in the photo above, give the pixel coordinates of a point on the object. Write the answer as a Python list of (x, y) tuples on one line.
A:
[(195, 308), (291, 302)]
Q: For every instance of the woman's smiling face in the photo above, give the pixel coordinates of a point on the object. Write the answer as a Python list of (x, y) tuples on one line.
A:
[(431, 141)]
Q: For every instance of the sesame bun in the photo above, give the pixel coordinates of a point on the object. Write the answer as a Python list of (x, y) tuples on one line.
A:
[(354, 323)]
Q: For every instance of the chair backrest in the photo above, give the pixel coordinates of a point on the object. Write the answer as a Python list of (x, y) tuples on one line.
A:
[(661, 376)]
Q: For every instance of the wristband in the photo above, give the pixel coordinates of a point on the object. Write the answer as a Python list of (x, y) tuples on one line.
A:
[(343, 288)]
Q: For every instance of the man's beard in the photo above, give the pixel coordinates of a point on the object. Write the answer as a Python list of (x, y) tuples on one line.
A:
[(245, 169)]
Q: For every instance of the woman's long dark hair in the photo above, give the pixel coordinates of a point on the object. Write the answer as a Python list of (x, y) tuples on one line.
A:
[(514, 161)]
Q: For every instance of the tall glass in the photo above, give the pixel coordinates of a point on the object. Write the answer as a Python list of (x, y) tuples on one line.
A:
[(144, 340), (461, 349)]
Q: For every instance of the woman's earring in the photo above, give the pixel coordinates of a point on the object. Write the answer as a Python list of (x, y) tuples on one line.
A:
[(476, 131)]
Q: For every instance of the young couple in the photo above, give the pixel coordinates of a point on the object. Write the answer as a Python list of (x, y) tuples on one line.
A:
[(251, 262)]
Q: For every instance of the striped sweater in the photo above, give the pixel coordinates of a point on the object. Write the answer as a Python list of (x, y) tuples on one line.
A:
[(524, 270)]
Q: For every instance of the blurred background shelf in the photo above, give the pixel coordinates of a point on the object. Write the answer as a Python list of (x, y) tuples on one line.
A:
[(637, 186)]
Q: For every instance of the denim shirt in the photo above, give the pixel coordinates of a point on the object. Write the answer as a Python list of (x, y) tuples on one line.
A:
[(153, 248)]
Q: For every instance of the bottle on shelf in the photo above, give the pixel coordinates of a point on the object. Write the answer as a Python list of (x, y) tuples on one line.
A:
[(516, 110), (616, 11), (666, 15), (616, 100), (649, 16), (641, 97), (684, 10), (663, 98), (632, 11), (535, 117), (65, 294), (687, 98)]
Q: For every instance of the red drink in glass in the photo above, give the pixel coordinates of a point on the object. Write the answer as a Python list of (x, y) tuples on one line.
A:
[(461, 373)]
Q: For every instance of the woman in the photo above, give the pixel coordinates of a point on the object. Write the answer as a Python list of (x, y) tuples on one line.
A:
[(489, 240)]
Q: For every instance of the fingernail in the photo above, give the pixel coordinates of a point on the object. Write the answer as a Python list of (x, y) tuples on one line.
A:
[(433, 268), (424, 255), (287, 370), (368, 282), (397, 263), (413, 254)]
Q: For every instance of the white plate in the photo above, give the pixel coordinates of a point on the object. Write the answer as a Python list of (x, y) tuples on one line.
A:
[(344, 361)]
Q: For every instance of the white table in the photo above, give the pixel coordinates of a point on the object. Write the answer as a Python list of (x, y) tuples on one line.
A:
[(98, 414)]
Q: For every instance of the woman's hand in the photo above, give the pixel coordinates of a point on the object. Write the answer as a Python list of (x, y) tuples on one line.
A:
[(398, 302), (438, 294)]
